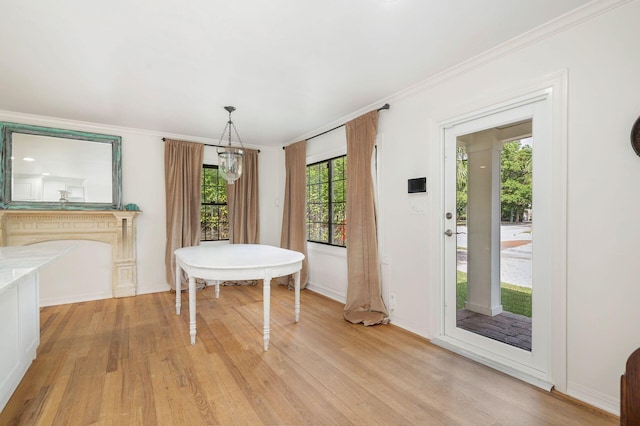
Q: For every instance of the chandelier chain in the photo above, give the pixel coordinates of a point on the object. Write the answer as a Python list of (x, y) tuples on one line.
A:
[(229, 125)]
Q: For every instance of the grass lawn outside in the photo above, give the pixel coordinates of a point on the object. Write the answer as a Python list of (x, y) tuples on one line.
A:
[(515, 299)]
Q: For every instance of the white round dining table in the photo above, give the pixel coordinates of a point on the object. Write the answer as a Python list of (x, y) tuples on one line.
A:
[(236, 262)]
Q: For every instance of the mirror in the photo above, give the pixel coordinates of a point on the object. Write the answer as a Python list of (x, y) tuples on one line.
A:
[(52, 169)]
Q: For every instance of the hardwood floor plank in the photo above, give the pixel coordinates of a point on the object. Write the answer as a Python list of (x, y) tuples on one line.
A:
[(71, 405), (130, 362), (347, 373)]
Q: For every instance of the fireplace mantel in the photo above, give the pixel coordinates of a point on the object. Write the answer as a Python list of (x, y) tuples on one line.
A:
[(114, 227)]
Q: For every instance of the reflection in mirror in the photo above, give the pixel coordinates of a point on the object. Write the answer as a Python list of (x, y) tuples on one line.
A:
[(44, 166), (47, 168)]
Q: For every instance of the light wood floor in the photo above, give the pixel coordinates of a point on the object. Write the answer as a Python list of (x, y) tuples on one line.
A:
[(129, 362)]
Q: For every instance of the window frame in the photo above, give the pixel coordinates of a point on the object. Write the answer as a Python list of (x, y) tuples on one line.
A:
[(331, 202), (213, 204)]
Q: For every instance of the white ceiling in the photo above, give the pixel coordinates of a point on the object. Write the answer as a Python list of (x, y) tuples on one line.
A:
[(288, 66)]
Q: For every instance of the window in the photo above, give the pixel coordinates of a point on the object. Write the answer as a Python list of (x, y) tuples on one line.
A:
[(214, 217), (327, 202)]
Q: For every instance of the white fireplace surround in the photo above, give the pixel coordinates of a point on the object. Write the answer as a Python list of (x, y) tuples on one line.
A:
[(114, 227)]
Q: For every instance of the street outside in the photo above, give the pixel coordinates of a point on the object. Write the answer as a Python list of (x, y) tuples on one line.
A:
[(515, 253)]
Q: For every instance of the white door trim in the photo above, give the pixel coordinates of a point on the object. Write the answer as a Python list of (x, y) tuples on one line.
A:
[(552, 89)]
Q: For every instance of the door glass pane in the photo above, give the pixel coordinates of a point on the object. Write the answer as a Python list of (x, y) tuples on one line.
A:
[(516, 238), (461, 229), (494, 238)]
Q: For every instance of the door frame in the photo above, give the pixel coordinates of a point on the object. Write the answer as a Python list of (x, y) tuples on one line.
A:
[(551, 89)]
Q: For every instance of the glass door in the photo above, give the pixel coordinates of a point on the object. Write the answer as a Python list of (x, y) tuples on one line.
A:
[(496, 303)]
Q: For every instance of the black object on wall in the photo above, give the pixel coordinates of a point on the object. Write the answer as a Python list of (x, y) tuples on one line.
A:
[(635, 136), (417, 185)]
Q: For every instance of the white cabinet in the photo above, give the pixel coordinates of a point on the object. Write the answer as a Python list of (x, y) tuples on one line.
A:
[(19, 333), (20, 312)]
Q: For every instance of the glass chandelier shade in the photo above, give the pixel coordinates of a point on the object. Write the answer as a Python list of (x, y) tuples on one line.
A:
[(230, 164), (230, 158)]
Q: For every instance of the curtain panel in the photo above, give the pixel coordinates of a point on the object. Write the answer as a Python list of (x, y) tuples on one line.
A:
[(364, 294), (182, 178), (243, 207), (243, 203), (294, 214)]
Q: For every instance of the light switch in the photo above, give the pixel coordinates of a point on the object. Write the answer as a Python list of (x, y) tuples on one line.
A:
[(417, 206)]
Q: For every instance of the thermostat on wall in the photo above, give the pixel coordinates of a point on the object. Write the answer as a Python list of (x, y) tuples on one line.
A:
[(417, 185)]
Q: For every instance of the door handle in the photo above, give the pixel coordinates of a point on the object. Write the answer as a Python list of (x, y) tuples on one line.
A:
[(448, 232)]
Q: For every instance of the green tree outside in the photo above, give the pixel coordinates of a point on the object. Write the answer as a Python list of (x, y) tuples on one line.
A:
[(326, 201), (515, 177), (214, 216), (461, 183)]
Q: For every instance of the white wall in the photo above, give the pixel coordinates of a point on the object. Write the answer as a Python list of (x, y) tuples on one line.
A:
[(602, 62)]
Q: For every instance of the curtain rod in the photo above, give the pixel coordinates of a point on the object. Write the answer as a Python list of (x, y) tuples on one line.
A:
[(385, 106), (208, 144)]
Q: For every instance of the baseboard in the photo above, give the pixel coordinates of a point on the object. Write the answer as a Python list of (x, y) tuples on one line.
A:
[(331, 294), (575, 401), (74, 298), (87, 297), (594, 398), (155, 289)]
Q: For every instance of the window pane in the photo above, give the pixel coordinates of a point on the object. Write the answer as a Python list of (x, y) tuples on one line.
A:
[(339, 234), (315, 211), (326, 201), (315, 172), (324, 192), (339, 213), (314, 194), (324, 232), (338, 168), (224, 231), (324, 213), (314, 232), (339, 191), (213, 212)]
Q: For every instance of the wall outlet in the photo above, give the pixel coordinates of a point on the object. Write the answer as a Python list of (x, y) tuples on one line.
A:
[(392, 301)]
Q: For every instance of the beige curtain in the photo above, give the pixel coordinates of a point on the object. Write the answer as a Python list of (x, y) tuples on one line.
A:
[(294, 215), (364, 298), (182, 178), (242, 202)]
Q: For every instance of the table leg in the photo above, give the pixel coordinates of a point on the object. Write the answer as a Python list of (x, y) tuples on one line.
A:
[(192, 309), (217, 289), (296, 303), (266, 300), (178, 284)]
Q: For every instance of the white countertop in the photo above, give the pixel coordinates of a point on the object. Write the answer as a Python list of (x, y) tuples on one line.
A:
[(17, 262)]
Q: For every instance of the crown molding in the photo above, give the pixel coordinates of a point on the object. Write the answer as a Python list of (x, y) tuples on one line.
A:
[(42, 120), (562, 23)]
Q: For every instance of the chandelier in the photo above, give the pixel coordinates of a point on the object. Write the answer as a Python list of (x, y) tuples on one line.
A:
[(230, 158)]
